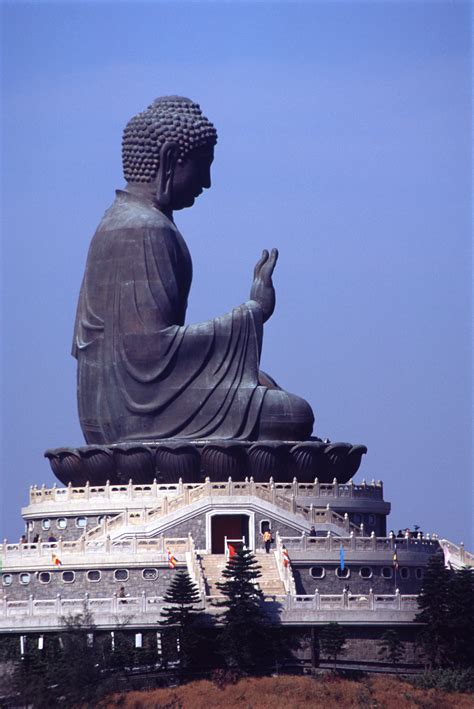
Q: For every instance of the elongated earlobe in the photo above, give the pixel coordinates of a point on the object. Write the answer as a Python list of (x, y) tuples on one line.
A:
[(164, 179)]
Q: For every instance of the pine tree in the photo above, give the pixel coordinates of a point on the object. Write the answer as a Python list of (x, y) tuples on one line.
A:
[(181, 618), (333, 639), (391, 647), (461, 618), (246, 639), (433, 602)]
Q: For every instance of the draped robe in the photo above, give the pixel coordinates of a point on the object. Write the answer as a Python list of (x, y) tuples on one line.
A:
[(142, 373)]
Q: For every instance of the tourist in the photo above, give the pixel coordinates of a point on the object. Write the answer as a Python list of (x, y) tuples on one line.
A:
[(267, 540), (312, 531), (23, 539)]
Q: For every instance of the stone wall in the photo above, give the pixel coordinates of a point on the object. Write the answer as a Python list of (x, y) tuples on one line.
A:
[(306, 584)]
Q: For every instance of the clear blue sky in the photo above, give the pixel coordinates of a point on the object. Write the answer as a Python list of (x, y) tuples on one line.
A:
[(344, 140)]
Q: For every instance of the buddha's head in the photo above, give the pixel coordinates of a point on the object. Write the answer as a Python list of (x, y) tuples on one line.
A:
[(170, 147)]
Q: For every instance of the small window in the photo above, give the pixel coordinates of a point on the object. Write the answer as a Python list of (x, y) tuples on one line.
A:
[(366, 572), (61, 523), (24, 579), (68, 576), (343, 573), (371, 519), (81, 522), (46, 523), (317, 572), (7, 579), (387, 572), (121, 575), (44, 577), (150, 574), (419, 573), (404, 572), (93, 575)]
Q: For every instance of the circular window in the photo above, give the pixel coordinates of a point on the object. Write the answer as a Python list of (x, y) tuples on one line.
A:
[(93, 575), (150, 574), (46, 523), (81, 522), (404, 572), (387, 572), (317, 572), (342, 573), (7, 579), (419, 573), (68, 576), (44, 577), (61, 523), (24, 579), (366, 572), (121, 575)]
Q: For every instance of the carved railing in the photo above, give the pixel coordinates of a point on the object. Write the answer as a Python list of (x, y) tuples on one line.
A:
[(145, 604), (456, 555), (269, 492), (155, 490), (365, 544), (17, 554)]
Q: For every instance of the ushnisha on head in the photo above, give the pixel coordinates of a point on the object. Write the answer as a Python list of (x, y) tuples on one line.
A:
[(175, 120)]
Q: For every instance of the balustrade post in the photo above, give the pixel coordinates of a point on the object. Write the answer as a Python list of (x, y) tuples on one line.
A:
[(69, 490), (107, 489), (252, 485), (353, 540), (351, 488), (462, 552), (143, 601), (180, 486), (361, 529), (186, 495), (317, 600), (335, 488), (371, 599), (58, 604), (311, 513), (398, 599), (130, 489), (374, 540), (164, 505), (30, 604), (392, 541), (154, 488), (114, 602), (43, 493), (87, 489), (345, 600), (347, 524), (230, 486), (293, 503), (329, 537), (316, 490), (295, 487), (207, 486), (328, 513), (134, 545)]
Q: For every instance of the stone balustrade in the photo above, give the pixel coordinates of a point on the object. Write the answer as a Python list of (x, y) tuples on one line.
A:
[(360, 544), (155, 491), (144, 609)]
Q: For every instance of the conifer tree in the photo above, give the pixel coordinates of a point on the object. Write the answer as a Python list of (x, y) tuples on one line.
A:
[(391, 647), (245, 640), (333, 639), (461, 618), (433, 602), (181, 618)]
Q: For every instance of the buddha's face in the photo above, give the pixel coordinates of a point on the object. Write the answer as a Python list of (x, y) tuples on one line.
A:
[(191, 176)]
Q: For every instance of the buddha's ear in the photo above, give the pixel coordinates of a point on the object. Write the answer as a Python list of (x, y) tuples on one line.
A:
[(169, 154)]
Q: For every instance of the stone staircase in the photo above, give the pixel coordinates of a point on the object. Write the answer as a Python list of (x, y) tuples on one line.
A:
[(270, 581)]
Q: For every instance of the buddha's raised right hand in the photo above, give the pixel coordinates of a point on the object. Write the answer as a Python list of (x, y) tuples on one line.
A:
[(262, 290)]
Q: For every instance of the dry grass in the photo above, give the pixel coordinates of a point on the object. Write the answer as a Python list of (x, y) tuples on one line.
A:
[(293, 693)]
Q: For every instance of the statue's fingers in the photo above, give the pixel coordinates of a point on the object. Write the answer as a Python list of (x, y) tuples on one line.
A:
[(263, 258), (269, 266)]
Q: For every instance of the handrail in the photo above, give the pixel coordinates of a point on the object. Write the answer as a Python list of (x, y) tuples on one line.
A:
[(145, 604), (155, 490)]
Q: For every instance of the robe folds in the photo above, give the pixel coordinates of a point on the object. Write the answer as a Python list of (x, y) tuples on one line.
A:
[(142, 373)]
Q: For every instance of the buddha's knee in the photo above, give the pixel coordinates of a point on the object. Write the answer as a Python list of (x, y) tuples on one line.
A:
[(285, 417)]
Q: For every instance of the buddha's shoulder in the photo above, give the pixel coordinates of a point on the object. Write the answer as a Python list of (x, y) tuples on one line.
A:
[(130, 212)]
